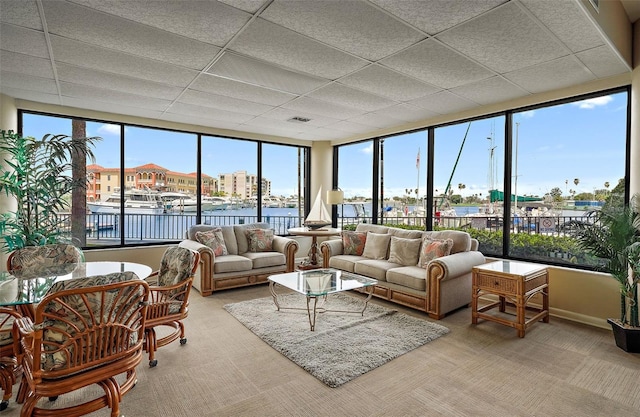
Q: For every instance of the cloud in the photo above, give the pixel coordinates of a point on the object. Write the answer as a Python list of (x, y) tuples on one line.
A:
[(368, 150), (593, 102), (109, 129), (527, 114)]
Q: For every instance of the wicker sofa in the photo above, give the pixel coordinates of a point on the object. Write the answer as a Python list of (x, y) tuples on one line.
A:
[(240, 267), (443, 286)]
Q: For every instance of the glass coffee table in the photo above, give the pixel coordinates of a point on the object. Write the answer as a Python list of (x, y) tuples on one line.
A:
[(318, 284)]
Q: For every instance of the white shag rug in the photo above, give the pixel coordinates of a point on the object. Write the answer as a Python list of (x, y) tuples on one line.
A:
[(343, 345)]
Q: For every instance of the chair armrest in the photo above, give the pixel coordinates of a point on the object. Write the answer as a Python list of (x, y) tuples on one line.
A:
[(207, 258), (161, 297), (452, 266), (288, 247), (330, 248)]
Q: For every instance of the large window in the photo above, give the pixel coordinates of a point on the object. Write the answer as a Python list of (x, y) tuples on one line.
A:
[(568, 161), (355, 178), (147, 185), (520, 191)]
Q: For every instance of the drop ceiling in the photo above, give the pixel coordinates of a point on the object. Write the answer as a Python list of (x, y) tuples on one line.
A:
[(305, 70)]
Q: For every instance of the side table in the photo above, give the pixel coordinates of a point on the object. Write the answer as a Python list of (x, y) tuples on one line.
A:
[(314, 233), (513, 282)]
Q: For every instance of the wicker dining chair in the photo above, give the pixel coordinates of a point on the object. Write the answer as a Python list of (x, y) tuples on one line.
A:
[(170, 287), (9, 368), (44, 256), (86, 331)]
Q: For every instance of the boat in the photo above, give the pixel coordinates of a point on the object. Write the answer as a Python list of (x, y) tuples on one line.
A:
[(136, 201), (318, 216), (216, 203), (168, 197), (190, 205)]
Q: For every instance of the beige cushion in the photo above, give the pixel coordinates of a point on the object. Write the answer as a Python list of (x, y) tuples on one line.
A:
[(374, 268), (376, 246), (266, 259), (408, 276), (375, 228), (404, 251), (432, 249), (344, 262), (407, 234), (231, 263)]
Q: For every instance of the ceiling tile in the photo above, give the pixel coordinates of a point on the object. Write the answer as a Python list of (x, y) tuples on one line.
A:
[(264, 74), (230, 88), (352, 26), (349, 97), (199, 121), (602, 62), (23, 40), (378, 120), (491, 90), (579, 35), (100, 94), (27, 82), (283, 126), (434, 16), (560, 73), (387, 83), (110, 81), (21, 13), (436, 64), (443, 102), (408, 112), (223, 103), (250, 6), (504, 39), (112, 32), (37, 96), (111, 107), (85, 55), (348, 126), (273, 43), (322, 108), (209, 113), (207, 21), (26, 64)]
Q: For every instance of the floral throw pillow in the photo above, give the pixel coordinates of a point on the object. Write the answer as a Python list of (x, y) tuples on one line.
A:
[(353, 242), (213, 239), (432, 249), (260, 240)]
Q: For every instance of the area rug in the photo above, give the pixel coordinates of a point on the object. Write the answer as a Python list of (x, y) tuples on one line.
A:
[(343, 345)]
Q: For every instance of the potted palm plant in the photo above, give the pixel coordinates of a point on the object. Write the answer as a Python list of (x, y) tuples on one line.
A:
[(614, 239), (37, 173)]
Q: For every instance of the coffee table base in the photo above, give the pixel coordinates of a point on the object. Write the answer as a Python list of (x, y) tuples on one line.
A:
[(314, 308)]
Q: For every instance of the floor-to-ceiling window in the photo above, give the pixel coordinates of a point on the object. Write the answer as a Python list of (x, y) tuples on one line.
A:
[(355, 178), (518, 181), (147, 185)]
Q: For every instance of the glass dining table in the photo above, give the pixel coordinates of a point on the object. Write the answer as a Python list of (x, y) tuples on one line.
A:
[(24, 287)]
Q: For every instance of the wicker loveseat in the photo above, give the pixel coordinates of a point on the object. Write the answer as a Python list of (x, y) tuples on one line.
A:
[(240, 266), (441, 286)]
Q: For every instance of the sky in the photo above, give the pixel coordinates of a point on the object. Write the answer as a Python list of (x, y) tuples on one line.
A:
[(583, 140)]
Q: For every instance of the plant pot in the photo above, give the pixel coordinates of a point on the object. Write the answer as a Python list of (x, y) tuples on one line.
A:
[(627, 338)]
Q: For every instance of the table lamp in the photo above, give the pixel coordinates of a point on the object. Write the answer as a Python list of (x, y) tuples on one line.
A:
[(335, 197)]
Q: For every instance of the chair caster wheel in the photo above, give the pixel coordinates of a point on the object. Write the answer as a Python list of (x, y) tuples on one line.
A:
[(4, 404), (183, 341), (53, 398), (153, 363)]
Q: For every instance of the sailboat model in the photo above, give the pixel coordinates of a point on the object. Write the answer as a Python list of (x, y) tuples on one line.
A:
[(319, 216)]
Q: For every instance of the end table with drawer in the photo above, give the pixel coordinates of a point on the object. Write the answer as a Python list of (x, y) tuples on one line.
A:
[(514, 283)]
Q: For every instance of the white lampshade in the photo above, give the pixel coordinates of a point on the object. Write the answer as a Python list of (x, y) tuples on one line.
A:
[(335, 197)]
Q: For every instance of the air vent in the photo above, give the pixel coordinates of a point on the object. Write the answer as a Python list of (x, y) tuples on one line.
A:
[(298, 119)]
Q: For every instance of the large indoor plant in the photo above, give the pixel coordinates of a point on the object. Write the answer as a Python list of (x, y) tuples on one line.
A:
[(614, 238), (37, 173)]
